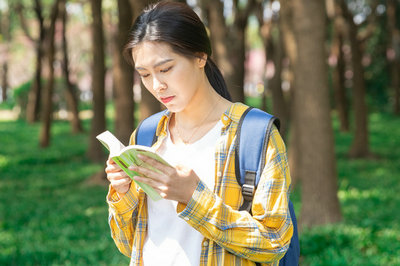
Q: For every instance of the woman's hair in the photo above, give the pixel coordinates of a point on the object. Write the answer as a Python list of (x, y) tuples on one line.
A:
[(179, 26)]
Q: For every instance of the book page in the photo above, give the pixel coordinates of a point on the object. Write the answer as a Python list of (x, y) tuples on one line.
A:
[(110, 142), (127, 156)]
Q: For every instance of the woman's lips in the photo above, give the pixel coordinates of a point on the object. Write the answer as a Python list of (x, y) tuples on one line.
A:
[(167, 99)]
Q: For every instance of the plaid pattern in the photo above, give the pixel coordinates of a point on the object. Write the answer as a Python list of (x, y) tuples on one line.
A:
[(231, 237)]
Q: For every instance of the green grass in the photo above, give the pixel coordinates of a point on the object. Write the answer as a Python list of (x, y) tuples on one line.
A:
[(50, 215), (369, 195)]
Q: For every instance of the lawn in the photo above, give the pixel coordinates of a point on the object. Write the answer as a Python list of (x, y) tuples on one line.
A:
[(368, 192), (51, 215)]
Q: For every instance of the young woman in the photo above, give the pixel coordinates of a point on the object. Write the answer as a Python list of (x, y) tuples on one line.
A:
[(197, 222)]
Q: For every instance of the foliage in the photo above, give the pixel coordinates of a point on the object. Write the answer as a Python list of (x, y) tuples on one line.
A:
[(7, 105), (20, 95), (370, 232)]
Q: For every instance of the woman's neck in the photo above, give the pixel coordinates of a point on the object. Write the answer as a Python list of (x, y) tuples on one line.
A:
[(201, 114)]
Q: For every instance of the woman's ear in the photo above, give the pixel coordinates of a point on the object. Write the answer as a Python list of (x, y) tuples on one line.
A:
[(201, 59)]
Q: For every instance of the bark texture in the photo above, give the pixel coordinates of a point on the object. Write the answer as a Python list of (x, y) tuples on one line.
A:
[(314, 133), (95, 151)]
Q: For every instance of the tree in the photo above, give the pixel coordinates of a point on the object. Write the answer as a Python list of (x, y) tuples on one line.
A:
[(123, 75), (228, 41), (360, 145), (98, 125), (70, 93), (271, 33), (35, 93), (47, 112), (314, 134), (5, 35), (291, 50), (338, 80), (393, 53)]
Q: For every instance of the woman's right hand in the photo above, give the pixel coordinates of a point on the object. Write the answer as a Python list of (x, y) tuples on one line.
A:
[(119, 180)]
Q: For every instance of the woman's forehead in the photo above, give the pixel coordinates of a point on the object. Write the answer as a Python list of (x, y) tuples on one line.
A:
[(149, 53)]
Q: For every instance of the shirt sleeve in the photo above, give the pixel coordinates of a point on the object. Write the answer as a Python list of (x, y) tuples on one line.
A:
[(122, 211), (263, 236)]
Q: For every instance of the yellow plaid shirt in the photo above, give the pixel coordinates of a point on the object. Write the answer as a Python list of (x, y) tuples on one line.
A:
[(231, 237)]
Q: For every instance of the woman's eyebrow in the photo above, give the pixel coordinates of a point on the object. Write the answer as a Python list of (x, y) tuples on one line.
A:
[(155, 65)]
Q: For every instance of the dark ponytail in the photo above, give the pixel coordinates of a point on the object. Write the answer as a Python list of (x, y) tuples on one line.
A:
[(179, 26), (216, 79)]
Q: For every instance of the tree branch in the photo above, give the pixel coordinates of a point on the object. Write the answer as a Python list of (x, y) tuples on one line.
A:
[(25, 29)]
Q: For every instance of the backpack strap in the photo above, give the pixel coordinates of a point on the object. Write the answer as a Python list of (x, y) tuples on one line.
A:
[(251, 150), (250, 159), (146, 131)]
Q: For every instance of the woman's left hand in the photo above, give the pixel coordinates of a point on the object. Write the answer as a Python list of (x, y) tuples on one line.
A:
[(173, 183)]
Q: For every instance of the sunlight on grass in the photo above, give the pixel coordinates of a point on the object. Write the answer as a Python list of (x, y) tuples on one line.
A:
[(3, 161), (368, 192), (59, 219)]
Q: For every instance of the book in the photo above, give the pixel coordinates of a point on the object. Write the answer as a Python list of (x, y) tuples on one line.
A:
[(128, 156)]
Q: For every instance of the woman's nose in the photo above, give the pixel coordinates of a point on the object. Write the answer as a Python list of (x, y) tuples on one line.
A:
[(158, 85)]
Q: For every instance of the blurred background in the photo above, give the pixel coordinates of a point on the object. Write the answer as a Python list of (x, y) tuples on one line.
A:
[(329, 69)]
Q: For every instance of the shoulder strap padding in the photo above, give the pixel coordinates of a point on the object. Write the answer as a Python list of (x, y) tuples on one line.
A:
[(252, 138), (251, 144), (146, 131)]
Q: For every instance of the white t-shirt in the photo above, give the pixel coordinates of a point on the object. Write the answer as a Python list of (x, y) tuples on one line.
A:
[(170, 240)]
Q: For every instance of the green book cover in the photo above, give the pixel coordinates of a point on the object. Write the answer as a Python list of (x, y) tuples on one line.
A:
[(127, 156)]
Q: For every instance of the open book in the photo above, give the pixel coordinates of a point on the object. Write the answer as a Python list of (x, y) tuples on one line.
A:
[(127, 156)]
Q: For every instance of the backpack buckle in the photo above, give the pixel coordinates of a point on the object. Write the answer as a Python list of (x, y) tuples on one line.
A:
[(248, 192)]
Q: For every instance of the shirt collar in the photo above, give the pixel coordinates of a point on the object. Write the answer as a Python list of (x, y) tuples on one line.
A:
[(232, 114)]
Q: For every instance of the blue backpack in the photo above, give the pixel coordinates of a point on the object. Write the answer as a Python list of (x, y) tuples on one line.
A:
[(249, 161)]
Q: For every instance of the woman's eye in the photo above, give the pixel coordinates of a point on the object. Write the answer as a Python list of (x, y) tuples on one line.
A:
[(144, 75), (166, 70)]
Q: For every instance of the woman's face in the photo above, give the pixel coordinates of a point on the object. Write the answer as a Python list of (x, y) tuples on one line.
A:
[(172, 78)]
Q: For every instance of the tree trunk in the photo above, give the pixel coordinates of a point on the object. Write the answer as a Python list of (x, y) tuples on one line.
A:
[(44, 138), (393, 53), (279, 105), (229, 43), (290, 45), (35, 93), (123, 76), (70, 94), (360, 145), (218, 36), (320, 203), (266, 26), (95, 151), (338, 75), (237, 51), (4, 81), (5, 31), (273, 45)]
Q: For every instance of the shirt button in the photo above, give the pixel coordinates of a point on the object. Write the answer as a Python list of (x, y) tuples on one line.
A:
[(219, 174), (225, 118), (205, 243), (186, 218)]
